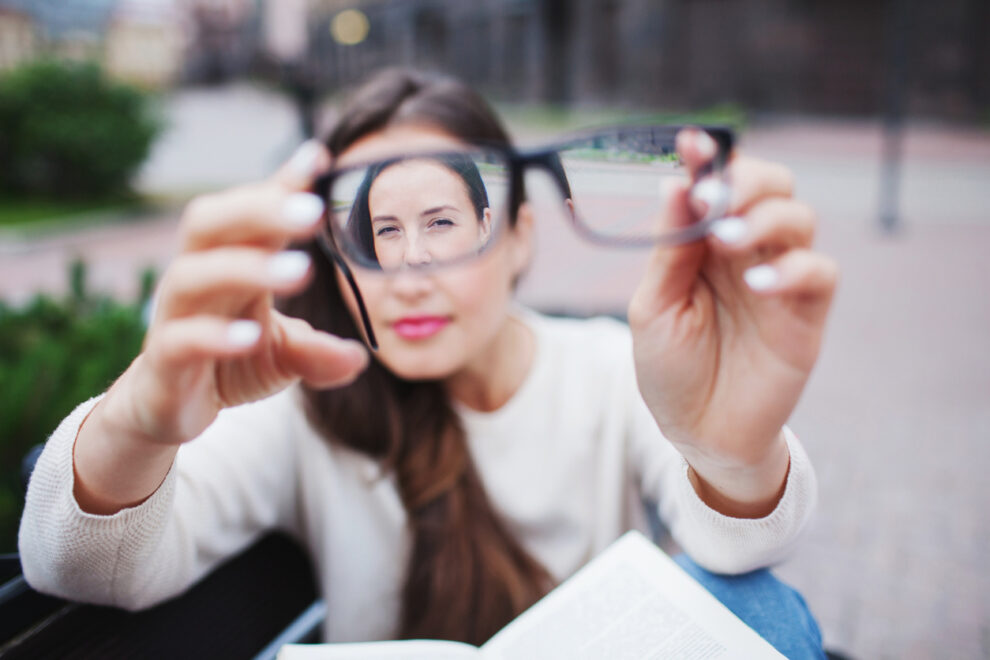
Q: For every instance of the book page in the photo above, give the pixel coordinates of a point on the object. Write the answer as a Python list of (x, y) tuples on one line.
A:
[(631, 602), (412, 649)]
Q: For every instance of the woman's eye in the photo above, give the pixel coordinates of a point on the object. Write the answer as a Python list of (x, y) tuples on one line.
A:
[(442, 222), (383, 232)]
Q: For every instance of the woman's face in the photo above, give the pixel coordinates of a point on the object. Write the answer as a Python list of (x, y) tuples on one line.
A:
[(421, 212), (433, 323)]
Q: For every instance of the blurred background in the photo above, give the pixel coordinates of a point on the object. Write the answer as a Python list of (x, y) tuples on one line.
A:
[(113, 113)]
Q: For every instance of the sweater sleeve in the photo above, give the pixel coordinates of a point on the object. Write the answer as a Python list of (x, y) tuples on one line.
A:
[(223, 489), (718, 543)]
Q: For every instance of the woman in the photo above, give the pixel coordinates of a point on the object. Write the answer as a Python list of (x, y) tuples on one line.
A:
[(484, 452)]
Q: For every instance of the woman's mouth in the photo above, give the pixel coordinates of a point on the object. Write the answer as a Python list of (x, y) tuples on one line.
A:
[(419, 327)]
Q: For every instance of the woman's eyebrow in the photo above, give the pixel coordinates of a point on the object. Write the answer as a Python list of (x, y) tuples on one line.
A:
[(429, 211), (437, 209)]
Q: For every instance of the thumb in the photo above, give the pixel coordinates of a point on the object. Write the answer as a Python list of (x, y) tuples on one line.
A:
[(322, 360), (671, 270)]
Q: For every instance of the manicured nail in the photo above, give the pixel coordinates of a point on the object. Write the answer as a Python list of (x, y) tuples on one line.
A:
[(710, 198), (288, 266), (243, 333), (303, 162), (706, 145), (729, 230), (762, 277), (302, 209)]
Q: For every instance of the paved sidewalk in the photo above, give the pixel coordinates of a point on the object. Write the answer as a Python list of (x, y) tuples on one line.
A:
[(896, 416)]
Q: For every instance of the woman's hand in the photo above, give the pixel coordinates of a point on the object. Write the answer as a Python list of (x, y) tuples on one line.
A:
[(215, 340), (727, 330)]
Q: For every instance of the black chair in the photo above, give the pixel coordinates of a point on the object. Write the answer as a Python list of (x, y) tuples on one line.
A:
[(246, 608)]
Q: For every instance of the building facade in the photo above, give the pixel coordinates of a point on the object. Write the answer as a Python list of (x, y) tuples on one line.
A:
[(835, 57)]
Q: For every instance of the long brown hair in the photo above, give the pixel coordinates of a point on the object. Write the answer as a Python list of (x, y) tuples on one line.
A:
[(467, 576)]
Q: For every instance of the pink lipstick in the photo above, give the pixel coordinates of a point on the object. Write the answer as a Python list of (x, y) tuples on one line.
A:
[(419, 327)]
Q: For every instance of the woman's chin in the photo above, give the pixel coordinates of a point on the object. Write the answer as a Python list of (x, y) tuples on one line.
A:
[(414, 364)]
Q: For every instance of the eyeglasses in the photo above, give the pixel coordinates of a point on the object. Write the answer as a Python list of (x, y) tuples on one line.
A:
[(431, 210)]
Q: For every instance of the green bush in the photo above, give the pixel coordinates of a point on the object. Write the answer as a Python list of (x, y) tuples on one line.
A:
[(66, 130), (55, 354)]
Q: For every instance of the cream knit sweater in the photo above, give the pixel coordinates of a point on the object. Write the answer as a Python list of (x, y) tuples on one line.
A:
[(567, 462)]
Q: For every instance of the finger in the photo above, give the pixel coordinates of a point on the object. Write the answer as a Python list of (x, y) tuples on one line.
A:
[(178, 343), (753, 180), (309, 160), (774, 222), (696, 149), (802, 274), (237, 273), (710, 194), (259, 214), (671, 271), (319, 358)]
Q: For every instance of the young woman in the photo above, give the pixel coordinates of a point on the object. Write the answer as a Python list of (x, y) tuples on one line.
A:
[(483, 452)]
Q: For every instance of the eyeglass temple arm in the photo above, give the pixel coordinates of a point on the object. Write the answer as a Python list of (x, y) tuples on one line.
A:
[(320, 186), (346, 270), (365, 320)]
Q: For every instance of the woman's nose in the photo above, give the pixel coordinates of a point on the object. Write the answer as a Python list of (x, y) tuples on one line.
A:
[(416, 253)]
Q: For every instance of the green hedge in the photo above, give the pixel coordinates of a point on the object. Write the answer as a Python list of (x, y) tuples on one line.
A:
[(66, 130), (54, 354)]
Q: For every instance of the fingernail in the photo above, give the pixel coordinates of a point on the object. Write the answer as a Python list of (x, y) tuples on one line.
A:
[(729, 230), (288, 266), (303, 162), (302, 209), (710, 198), (706, 145), (243, 333), (762, 277)]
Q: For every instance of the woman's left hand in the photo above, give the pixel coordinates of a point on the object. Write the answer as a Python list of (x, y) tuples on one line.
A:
[(726, 330)]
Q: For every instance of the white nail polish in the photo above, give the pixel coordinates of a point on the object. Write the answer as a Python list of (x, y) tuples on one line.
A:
[(715, 195), (303, 162), (762, 277), (706, 145), (288, 266), (243, 333), (302, 209), (729, 230)]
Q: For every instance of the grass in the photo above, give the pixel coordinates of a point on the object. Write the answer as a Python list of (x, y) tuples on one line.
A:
[(17, 212), (525, 119)]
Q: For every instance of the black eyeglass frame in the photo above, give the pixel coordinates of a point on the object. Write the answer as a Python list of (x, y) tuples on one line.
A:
[(546, 158)]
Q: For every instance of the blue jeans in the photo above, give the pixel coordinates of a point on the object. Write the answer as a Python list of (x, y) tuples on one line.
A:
[(767, 605)]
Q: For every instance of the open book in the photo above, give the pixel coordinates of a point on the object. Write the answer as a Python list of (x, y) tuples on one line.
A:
[(631, 601)]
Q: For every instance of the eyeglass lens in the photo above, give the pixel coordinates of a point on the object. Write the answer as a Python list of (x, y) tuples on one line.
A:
[(420, 210), (619, 180)]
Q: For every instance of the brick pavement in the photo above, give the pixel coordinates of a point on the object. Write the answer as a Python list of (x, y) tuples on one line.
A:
[(896, 416)]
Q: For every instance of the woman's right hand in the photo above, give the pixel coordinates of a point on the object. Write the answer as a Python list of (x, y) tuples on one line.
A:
[(215, 340)]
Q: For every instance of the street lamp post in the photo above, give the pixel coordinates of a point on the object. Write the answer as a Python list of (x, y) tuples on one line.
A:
[(895, 100)]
